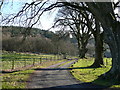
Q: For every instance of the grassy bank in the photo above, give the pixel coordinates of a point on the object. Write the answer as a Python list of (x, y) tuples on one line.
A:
[(85, 74)]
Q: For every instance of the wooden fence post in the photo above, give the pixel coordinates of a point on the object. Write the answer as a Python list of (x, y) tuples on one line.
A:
[(54, 57), (40, 60), (13, 63), (33, 61), (25, 62)]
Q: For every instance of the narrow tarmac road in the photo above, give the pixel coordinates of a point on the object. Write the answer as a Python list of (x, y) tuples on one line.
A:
[(58, 77)]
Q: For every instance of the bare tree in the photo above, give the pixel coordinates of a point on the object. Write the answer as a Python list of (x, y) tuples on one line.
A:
[(72, 20), (82, 23)]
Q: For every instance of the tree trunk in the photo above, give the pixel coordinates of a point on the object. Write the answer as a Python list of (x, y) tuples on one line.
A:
[(79, 51), (83, 52), (98, 51), (98, 47), (113, 40), (83, 49)]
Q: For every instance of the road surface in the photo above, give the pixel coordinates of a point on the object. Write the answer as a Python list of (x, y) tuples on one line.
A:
[(56, 77)]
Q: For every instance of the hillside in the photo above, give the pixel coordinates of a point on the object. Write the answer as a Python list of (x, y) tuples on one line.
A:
[(37, 40), (16, 31)]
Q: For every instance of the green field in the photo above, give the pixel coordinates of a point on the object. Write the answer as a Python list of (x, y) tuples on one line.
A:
[(86, 74), (11, 61)]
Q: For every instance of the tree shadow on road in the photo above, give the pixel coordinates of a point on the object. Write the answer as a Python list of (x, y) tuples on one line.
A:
[(61, 68), (81, 86)]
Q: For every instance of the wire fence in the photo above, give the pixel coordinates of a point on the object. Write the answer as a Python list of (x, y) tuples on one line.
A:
[(10, 62)]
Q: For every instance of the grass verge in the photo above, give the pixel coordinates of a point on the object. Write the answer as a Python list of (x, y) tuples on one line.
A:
[(92, 74), (16, 80)]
